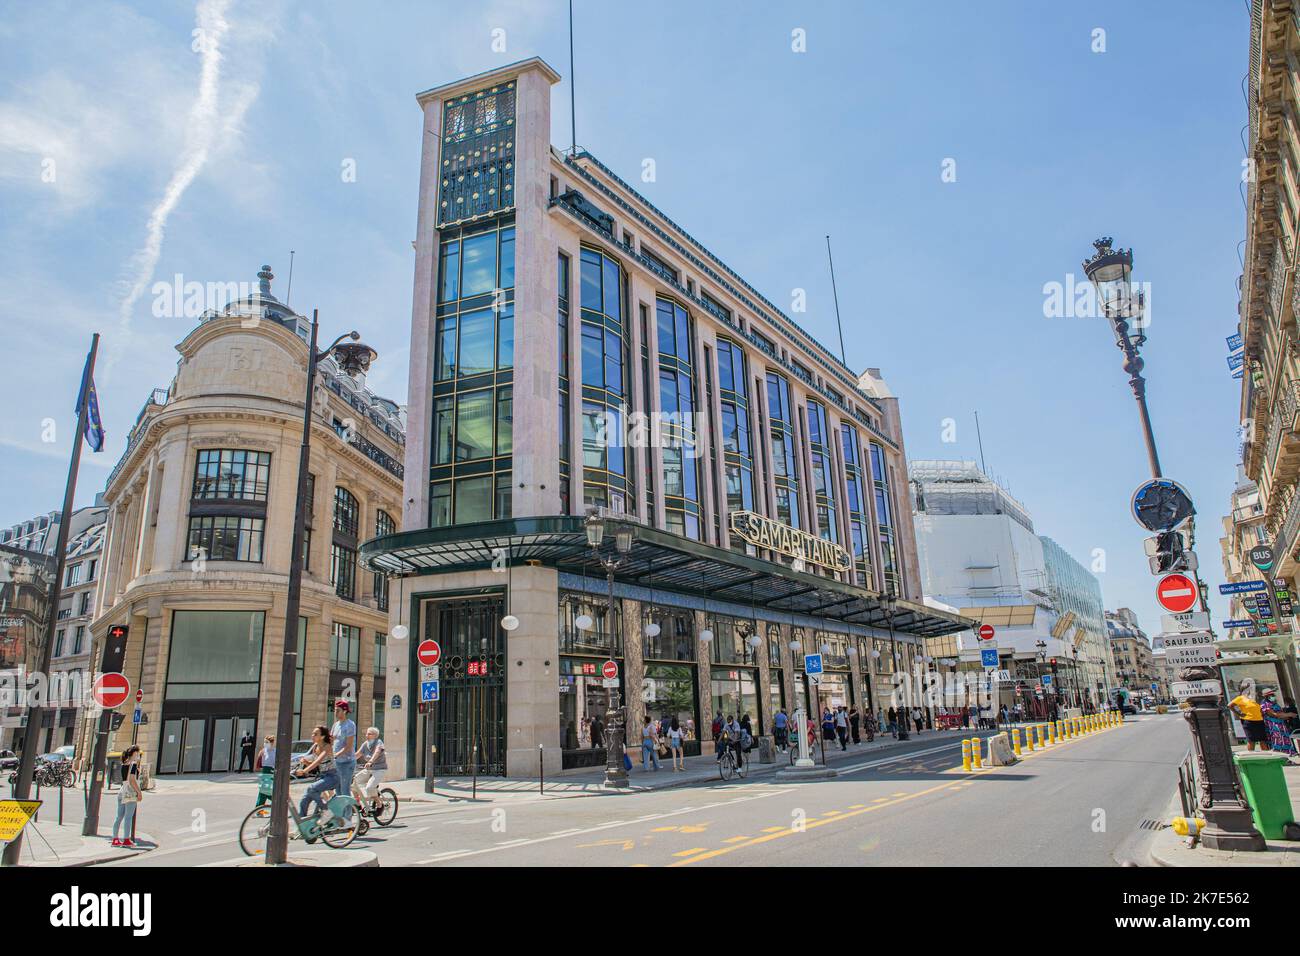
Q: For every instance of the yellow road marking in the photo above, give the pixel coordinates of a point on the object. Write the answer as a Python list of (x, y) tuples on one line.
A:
[(832, 813), (773, 829), (856, 806), (695, 856), (698, 849), (735, 839), (880, 800)]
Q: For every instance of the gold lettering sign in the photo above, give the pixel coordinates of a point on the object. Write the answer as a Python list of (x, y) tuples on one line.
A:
[(793, 543)]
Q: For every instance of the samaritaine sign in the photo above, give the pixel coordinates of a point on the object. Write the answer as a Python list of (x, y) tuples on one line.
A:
[(793, 543)]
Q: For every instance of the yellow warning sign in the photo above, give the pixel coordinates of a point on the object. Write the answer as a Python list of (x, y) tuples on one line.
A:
[(14, 815)]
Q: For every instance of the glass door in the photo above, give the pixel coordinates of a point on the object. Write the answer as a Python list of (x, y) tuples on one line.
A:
[(223, 738), (170, 757), (192, 740)]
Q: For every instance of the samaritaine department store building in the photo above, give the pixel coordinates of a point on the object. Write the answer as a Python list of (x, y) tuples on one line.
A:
[(575, 352)]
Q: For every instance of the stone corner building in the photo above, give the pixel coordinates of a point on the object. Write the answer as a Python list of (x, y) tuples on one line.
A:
[(200, 520), (554, 310)]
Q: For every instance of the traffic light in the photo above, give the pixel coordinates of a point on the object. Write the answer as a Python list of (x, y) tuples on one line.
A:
[(1167, 552), (1053, 665), (115, 721)]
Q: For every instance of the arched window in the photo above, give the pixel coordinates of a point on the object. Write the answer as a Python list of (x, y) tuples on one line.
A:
[(346, 512)]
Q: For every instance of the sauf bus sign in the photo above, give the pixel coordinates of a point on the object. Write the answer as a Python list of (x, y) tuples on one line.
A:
[(766, 533)]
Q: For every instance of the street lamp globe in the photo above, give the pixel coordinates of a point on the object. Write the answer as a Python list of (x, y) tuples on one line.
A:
[(583, 622), (509, 623), (706, 635), (354, 357), (623, 539), (400, 632), (652, 629), (595, 531), (1109, 270)]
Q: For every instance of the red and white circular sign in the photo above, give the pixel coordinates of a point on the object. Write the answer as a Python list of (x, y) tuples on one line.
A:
[(986, 632), (139, 696), (111, 690), (609, 670), (1176, 593), (428, 653)]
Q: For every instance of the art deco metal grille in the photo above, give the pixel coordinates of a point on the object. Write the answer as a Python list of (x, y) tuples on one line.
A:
[(478, 155)]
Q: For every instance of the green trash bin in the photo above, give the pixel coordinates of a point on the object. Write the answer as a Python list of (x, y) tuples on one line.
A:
[(1265, 786)]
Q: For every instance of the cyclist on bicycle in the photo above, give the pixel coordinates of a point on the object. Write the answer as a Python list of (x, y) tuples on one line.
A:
[(320, 757), (372, 763)]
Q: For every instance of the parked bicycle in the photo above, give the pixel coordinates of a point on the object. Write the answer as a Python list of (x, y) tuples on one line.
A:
[(335, 824)]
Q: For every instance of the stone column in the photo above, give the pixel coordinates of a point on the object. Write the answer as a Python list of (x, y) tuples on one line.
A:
[(704, 681), (633, 675), (532, 673), (765, 715)]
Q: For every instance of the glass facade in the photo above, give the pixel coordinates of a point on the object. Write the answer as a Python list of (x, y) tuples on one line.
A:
[(343, 547), (214, 655), (478, 139), (823, 471), (681, 473), (227, 506), (226, 538), (606, 472), (737, 452), (384, 525), (232, 474), (859, 522), (473, 399), (884, 519), (785, 459), (566, 482)]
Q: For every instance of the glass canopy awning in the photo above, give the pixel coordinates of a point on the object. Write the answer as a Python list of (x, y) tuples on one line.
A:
[(658, 558)]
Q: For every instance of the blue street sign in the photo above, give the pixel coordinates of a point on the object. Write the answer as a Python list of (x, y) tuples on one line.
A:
[(1234, 342), (1154, 688), (1047, 680), (812, 663), (135, 716), (1241, 587), (428, 691), (396, 702), (989, 658), (1235, 360)]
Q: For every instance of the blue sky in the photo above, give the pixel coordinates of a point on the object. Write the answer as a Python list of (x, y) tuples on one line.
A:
[(759, 152)]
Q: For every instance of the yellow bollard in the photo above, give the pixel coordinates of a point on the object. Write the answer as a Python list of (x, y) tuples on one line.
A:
[(965, 755), (975, 755), (1051, 732), (1069, 729), (1015, 741), (1029, 737)]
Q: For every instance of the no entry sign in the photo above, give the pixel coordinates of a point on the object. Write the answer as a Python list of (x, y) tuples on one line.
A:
[(1176, 593), (609, 670), (428, 653), (111, 690), (986, 632)]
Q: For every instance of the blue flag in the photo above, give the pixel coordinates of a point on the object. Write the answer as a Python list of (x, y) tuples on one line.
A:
[(90, 399)]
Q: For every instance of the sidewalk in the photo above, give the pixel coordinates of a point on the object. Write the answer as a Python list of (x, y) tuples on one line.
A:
[(1169, 849), (48, 844), (588, 781)]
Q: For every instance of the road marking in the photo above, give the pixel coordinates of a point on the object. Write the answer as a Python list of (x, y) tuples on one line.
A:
[(735, 839), (710, 854), (856, 806), (773, 829), (698, 849)]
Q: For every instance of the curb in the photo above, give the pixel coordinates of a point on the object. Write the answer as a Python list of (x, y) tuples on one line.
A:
[(110, 854), (323, 859)]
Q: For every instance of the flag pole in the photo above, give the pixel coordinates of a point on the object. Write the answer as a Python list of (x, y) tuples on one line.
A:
[(36, 711)]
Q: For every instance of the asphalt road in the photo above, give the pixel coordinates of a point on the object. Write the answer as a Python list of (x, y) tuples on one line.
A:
[(1080, 803)]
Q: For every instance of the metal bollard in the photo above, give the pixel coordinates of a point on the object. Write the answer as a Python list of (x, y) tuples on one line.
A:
[(965, 755), (976, 756)]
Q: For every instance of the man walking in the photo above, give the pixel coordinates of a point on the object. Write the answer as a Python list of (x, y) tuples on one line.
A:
[(344, 734), (842, 728), (246, 745)]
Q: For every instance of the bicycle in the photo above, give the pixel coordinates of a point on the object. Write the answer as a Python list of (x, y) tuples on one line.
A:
[(728, 766), (338, 831), (382, 807)]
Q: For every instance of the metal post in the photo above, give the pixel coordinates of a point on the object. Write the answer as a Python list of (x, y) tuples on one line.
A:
[(541, 771), (615, 739), (277, 844), (36, 712)]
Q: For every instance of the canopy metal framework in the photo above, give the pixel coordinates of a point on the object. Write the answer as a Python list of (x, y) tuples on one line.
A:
[(668, 561)]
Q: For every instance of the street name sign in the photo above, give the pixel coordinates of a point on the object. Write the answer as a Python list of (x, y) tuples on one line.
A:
[(1176, 593), (1183, 623), (1238, 622), (1241, 587), (1198, 655), (1197, 639), (1183, 689)]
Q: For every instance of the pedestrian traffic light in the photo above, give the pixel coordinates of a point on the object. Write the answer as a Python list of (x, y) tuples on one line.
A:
[(1053, 665)]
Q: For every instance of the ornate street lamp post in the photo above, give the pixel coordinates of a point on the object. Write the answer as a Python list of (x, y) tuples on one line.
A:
[(352, 358), (616, 716), (1228, 817)]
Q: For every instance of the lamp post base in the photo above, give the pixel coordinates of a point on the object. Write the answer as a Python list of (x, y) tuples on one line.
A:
[(1228, 819), (615, 780)]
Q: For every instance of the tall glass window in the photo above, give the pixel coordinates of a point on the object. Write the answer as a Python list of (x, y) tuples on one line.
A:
[(738, 455), (884, 518), (384, 525), (343, 548), (473, 426), (606, 478), (232, 474), (823, 471), (677, 431), (785, 462), (563, 365), (859, 523)]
